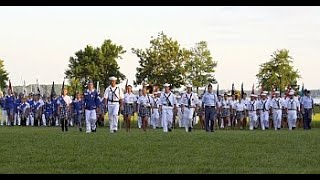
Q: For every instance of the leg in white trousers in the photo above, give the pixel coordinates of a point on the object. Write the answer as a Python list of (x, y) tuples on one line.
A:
[(30, 120), (139, 122), (292, 119), (264, 119), (252, 120), (113, 110), (44, 121), (91, 118), (154, 118), (4, 118), (188, 117), (277, 115), (167, 118)]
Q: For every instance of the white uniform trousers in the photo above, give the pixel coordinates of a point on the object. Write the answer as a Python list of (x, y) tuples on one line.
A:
[(188, 117), (91, 118), (30, 120), (17, 119), (252, 119), (154, 118), (113, 110), (4, 118), (167, 117), (277, 116), (292, 118), (44, 121), (264, 119)]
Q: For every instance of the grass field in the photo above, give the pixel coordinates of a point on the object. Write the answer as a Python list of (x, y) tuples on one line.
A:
[(48, 150)]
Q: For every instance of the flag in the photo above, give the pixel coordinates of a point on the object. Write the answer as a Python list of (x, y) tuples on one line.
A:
[(252, 91), (10, 87), (302, 90), (218, 90), (53, 92), (98, 87), (242, 91), (24, 88), (232, 89), (62, 87), (126, 86)]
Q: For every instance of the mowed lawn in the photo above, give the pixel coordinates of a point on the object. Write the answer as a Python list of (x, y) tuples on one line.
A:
[(48, 150)]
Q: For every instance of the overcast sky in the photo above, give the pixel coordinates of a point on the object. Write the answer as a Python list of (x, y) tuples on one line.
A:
[(36, 42)]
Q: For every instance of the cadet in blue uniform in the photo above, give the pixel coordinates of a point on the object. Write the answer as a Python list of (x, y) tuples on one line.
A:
[(30, 119), (17, 118), (55, 112), (91, 102), (78, 105), (10, 107), (307, 108)]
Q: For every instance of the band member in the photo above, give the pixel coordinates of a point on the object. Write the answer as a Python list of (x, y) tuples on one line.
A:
[(263, 105), (67, 99), (91, 102), (4, 118), (114, 99), (30, 120), (9, 101), (209, 104), (78, 107), (225, 110), (144, 108), (188, 107), (167, 104), (292, 107), (240, 108), (48, 112), (276, 110), (200, 113), (129, 102), (63, 111), (252, 112), (24, 109), (155, 110)]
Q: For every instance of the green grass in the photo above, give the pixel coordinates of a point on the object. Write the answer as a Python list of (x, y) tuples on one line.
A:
[(48, 150)]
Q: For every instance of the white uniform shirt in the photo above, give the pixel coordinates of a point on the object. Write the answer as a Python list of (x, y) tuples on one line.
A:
[(276, 103), (164, 98), (239, 106), (192, 97), (113, 94), (292, 104), (130, 98), (252, 106), (67, 99), (155, 102), (145, 100), (263, 105), (225, 103)]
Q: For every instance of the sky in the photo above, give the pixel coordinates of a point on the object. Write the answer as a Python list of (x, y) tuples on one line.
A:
[(36, 42)]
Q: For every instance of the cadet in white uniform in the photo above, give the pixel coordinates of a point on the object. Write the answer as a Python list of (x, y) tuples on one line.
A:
[(252, 112), (276, 109), (167, 104), (188, 107), (155, 110), (114, 99), (263, 105), (226, 108), (292, 106)]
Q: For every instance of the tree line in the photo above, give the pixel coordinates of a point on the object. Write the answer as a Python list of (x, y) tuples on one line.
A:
[(165, 60)]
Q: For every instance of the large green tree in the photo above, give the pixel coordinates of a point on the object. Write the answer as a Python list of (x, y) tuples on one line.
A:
[(3, 75), (97, 64), (163, 62), (200, 67), (278, 72)]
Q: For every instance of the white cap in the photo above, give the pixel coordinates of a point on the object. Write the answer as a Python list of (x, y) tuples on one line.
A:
[(189, 86), (112, 78), (178, 97), (277, 92), (265, 92), (252, 95), (166, 85)]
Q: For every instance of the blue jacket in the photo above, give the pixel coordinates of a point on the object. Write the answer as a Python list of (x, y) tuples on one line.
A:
[(91, 100)]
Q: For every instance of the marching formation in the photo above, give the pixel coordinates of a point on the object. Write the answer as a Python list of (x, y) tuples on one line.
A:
[(160, 109)]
